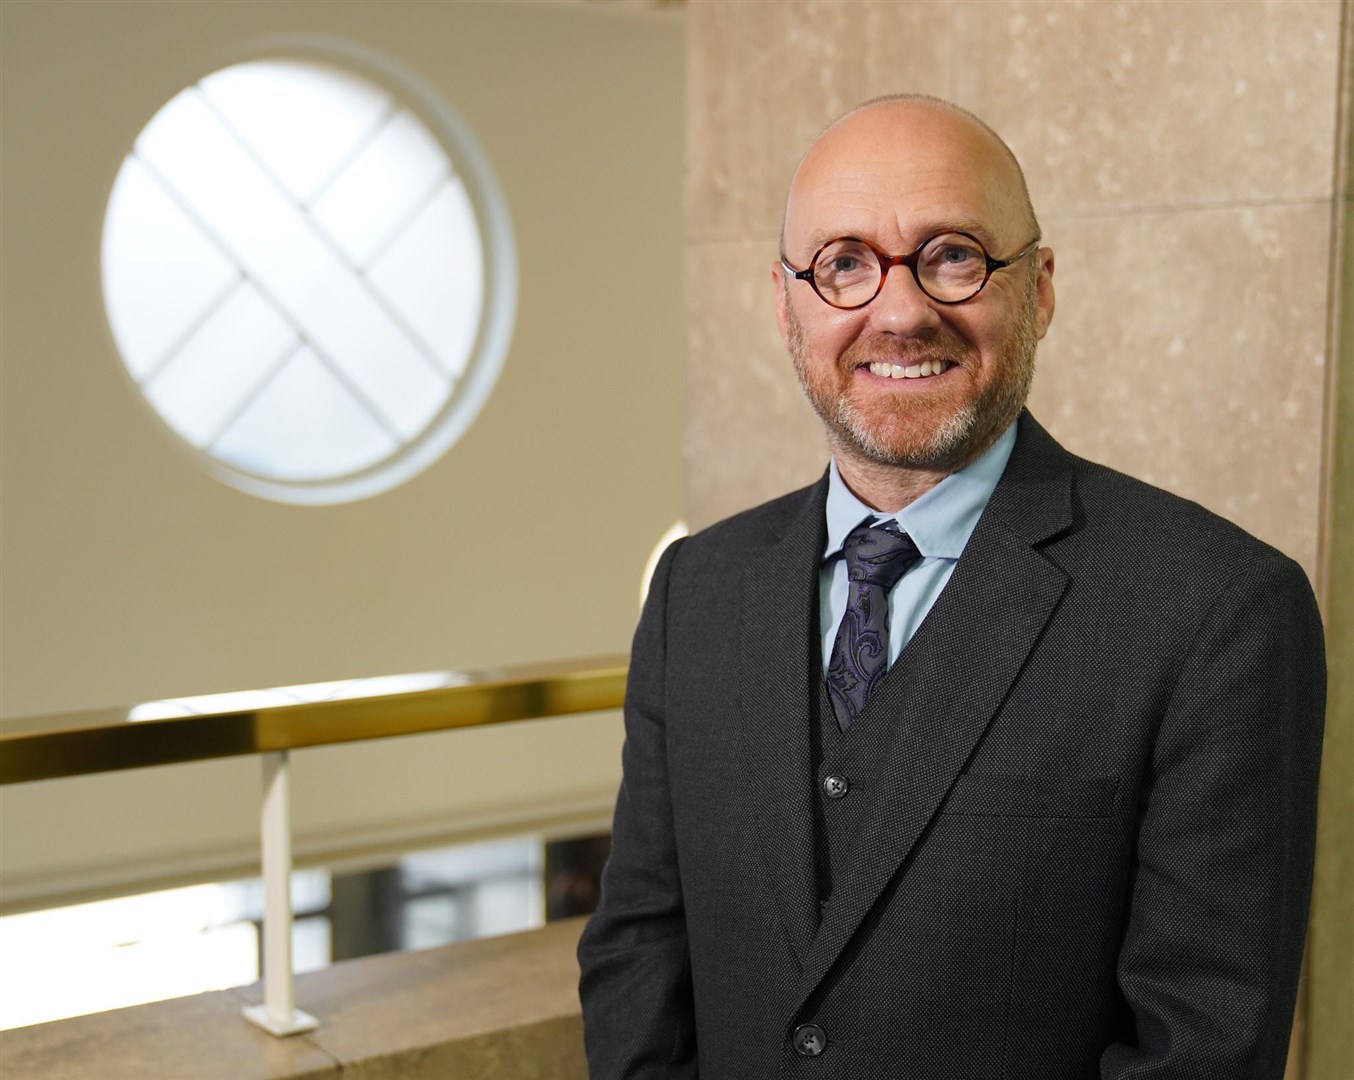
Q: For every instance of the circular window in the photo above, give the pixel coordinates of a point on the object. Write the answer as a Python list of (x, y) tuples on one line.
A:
[(311, 283)]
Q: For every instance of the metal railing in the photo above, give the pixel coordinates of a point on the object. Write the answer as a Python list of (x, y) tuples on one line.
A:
[(272, 723)]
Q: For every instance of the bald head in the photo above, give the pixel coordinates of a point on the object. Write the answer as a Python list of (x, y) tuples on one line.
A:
[(908, 146), (911, 383)]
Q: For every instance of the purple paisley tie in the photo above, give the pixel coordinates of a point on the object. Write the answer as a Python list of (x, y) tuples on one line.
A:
[(876, 557)]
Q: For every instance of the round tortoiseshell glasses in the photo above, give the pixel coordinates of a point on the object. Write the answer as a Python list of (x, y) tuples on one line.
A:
[(950, 267)]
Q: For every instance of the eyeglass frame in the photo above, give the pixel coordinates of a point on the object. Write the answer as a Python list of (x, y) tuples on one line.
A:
[(887, 262)]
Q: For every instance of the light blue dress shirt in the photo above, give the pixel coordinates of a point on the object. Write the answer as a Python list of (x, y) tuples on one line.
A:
[(940, 523)]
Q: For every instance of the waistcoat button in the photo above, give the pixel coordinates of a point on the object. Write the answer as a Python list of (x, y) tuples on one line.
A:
[(836, 787)]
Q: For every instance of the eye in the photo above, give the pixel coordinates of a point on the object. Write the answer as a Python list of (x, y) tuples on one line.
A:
[(844, 261), (955, 254), (952, 259)]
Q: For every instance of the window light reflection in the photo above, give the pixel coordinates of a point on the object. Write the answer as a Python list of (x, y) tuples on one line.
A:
[(340, 690)]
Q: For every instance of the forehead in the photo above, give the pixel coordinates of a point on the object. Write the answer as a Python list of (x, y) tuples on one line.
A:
[(896, 174)]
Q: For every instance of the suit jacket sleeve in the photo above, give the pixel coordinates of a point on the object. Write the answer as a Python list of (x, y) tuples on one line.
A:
[(1218, 904), (636, 975)]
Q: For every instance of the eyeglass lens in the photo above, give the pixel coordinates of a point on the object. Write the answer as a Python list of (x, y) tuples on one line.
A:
[(950, 267)]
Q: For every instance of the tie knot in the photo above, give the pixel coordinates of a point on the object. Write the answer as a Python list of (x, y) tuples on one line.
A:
[(878, 555)]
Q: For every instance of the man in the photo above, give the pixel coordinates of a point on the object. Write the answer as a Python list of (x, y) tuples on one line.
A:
[(974, 759)]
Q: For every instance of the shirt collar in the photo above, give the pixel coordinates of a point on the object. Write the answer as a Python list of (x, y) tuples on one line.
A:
[(941, 521)]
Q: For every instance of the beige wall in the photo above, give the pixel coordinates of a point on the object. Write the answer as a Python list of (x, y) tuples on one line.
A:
[(130, 574), (1183, 160)]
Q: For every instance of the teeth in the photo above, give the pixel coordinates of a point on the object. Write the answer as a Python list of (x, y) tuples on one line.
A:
[(912, 371)]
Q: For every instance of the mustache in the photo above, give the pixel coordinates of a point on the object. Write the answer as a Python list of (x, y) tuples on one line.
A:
[(883, 349)]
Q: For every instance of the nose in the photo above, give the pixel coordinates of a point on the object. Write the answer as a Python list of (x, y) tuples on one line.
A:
[(901, 307)]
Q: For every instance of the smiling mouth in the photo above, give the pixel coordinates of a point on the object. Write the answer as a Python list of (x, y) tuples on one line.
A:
[(912, 371)]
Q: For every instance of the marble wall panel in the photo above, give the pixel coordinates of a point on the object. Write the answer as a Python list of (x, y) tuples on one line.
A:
[(1189, 349), (1330, 956), (1346, 102), (1112, 106), (762, 79), (750, 434)]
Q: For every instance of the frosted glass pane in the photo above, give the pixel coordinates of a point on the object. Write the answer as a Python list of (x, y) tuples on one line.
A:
[(434, 276), (227, 191), (383, 186), (159, 272), (343, 320), (303, 119), (220, 365), (335, 309), (304, 426)]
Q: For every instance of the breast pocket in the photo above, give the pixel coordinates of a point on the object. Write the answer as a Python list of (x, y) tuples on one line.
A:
[(1041, 795)]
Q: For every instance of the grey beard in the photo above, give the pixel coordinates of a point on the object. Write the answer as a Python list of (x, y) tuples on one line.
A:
[(956, 441), (943, 445)]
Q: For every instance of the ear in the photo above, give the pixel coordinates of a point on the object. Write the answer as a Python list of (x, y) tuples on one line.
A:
[(780, 298), (1043, 310)]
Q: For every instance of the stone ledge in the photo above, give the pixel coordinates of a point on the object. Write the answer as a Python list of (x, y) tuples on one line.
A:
[(504, 1006)]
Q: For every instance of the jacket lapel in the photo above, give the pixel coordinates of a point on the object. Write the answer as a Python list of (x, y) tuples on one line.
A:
[(777, 661), (952, 678)]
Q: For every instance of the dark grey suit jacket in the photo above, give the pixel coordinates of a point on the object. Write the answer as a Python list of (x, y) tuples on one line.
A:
[(1085, 852)]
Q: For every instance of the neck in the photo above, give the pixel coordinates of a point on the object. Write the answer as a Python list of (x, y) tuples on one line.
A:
[(887, 488)]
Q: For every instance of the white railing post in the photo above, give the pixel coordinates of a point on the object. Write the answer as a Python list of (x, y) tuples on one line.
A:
[(278, 1014)]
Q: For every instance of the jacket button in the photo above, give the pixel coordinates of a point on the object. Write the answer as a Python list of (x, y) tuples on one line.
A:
[(810, 1040), (836, 787)]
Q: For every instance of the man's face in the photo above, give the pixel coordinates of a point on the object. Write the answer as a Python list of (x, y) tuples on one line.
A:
[(897, 175)]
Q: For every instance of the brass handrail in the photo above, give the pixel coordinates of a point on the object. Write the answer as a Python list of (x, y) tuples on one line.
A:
[(107, 740)]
